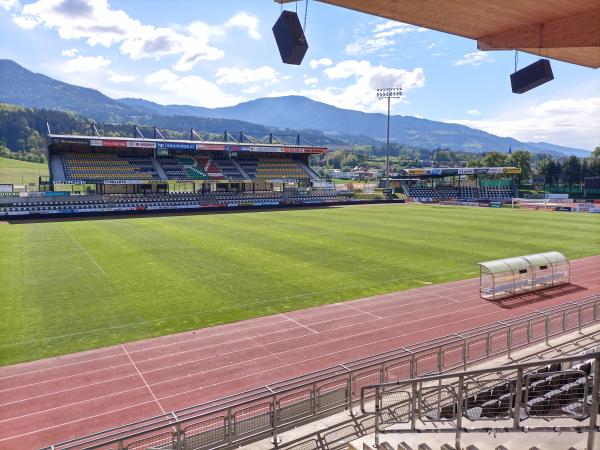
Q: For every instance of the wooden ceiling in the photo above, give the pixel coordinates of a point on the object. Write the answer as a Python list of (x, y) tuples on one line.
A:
[(567, 30)]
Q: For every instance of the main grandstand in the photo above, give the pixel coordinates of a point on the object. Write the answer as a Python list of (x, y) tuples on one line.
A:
[(121, 174), (464, 184)]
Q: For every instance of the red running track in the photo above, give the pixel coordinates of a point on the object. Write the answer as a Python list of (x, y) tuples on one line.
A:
[(52, 400)]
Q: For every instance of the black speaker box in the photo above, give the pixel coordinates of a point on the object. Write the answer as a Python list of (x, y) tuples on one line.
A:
[(290, 38), (531, 76)]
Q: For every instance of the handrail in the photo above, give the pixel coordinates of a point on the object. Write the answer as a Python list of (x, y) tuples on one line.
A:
[(469, 373), (350, 372), (519, 394)]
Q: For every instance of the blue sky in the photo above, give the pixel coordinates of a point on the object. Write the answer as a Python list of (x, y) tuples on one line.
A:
[(218, 53)]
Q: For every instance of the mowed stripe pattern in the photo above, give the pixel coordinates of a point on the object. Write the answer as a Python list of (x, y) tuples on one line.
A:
[(71, 286), (50, 400)]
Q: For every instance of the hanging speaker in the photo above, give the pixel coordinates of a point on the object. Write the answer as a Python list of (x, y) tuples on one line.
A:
[(290, 38), (531, 76)]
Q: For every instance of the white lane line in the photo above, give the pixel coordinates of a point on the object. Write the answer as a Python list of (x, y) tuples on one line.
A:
[(144, 380), (364, 312), (276, 341), (298, 323), (84, 251)]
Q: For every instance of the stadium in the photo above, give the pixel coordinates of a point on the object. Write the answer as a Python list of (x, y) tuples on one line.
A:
[(218, 291)]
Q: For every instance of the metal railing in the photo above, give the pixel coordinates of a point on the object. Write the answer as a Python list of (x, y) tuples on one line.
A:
[(266, 411), (508, 396)]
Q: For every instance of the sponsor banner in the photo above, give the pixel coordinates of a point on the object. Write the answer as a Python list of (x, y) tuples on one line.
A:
[(232, 148), (177, 146), (497, 169), (466, 171), (96, 142), (6, 187), (435, 171), (71, 182), (141, 144), (211, 147), (414, 171), (450, 171), (480, 170), (511, 170), (69, 141), (124, 182), (113, 143), (562, 208)]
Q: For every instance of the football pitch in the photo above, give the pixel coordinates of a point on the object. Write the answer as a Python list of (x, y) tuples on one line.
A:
[(75, 285)]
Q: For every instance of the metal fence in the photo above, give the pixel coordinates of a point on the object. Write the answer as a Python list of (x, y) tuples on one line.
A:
[(266, 411), (511, 396)]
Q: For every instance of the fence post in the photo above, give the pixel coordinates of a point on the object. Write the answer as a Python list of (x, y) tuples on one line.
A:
[(465, 354), (440, 360), (518, 399), (580, 318), (594, 407), (178, 438), (377, 417), (459, 412), (529, 331), (275, 439), (229, 425), (314, 399), (564, 321), (413, 407), (413, 366), (509, 339), (350, 393), (547, 329), (488, 345)]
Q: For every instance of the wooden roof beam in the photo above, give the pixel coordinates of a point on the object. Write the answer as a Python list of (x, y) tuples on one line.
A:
[(582, 30)]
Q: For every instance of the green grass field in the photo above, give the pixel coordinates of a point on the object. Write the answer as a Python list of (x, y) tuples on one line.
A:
[(69, 286), (13, 171)]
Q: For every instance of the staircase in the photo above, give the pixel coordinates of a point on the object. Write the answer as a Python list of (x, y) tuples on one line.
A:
[(159, 169), (56, 168), (241, 169)]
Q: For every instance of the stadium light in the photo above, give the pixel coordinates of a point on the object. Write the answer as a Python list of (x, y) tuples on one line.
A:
[(388, 93)]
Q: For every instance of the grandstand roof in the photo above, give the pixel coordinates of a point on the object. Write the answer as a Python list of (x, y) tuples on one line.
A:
[(427, 172), (558, 29), (181, 144)]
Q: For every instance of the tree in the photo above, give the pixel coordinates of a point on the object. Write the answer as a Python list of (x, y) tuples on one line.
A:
[(549, 169), (571, 170), (495, 159), (522, 160)]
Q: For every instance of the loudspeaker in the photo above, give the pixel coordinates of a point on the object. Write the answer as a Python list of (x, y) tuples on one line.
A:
[(290, 38), (531, 76)]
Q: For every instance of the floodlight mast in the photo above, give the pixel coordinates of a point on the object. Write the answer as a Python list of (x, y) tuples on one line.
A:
[(388, 93)]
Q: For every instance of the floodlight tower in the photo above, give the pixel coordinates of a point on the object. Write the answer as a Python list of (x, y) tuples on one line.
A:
[(388, 93)]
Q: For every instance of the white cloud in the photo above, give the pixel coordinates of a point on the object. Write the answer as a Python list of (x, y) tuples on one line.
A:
[(70, 52), (363, 80), (473, 59), (473, 112), (365, 46), (234, 75), (310, 81), (246, 22), (252, 89), (9, 4), (98, 24), (85, 64), (379, 37), (570, 122), (314, 63), (191, 89), (118, 78)]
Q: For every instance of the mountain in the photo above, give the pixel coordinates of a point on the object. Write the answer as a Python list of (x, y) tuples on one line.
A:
[(301, 112), (23, 87), (282, 114)]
